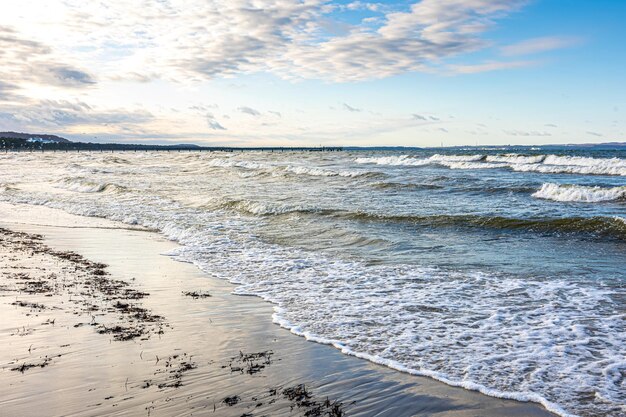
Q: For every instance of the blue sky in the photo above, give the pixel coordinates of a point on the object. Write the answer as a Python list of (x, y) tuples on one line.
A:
[(309, 72)]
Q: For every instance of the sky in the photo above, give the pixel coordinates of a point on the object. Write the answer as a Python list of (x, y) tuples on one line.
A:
[(315, 72)]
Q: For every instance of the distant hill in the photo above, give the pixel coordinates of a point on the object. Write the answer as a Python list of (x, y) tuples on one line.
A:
[(34, 137)]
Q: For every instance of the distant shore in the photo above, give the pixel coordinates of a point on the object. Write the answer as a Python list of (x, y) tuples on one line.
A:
[(93, 315)]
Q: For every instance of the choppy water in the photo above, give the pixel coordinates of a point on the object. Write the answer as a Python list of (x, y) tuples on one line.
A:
[(503, 273)]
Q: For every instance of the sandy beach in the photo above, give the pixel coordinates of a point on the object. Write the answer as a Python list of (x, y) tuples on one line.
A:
[(97, 321)]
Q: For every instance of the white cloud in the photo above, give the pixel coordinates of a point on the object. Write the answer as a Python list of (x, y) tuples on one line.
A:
[(538, 45), (55, 114), (351, 109), (249, 110), (527, 133), (196, 39), (212, 123), (490, 66)]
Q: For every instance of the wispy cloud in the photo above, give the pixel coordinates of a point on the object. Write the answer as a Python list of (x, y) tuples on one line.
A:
[(490, 66), (527, 133), (71, 77), (539, 45), (212, 123), (54, 114), (424, 117), (249, 110), (30, 61), (351, 109)]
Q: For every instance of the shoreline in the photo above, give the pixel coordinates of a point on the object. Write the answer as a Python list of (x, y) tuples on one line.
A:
[(213, 330)]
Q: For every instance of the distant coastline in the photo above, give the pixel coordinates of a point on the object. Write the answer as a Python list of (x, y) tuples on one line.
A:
[(17, 141), (25, 142)]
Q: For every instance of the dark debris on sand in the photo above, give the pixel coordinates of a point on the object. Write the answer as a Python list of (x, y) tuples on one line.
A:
[(250, 363), (26, 366), (87, 285), (196, 294), (172, 372)]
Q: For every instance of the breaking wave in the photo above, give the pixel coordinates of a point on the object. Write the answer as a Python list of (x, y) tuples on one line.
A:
[(400, 160), (289, 169), (579, 193), (406, 186), (82, 185), (258, 208), (319, 172), (611, 227), (595, 226), (547, 164)]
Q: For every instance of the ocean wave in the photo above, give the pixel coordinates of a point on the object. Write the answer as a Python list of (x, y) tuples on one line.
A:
[(579, 193), (289, 169), (407, 160), (584, 161), (234, 163), (319, 172), (258, 208), (4, 187), (457, 158), (547, 164), (406, 186), (116, 160), (400, 160), (611, 227), (598, 169), (516, 159), (82, 185), (598, 225), (470, 165)]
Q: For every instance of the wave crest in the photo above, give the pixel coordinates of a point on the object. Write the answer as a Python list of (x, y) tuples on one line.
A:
[(546, 164), (579, 193), (82, 185)]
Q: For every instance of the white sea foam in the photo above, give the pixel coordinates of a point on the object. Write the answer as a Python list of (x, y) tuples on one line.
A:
[(229, 163), (547, 164), (401, 160), (259, 208), (470, 165), (584, 161), (579, 193), (598, 169), (516, 159), (5, 188), (276, 169), (457, 158), (82, 185), (320, 172)]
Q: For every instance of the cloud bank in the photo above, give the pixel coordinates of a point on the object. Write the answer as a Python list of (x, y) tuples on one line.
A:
[(196, 39)]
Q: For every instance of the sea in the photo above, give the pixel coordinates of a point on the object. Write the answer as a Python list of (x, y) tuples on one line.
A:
[(501, 270)]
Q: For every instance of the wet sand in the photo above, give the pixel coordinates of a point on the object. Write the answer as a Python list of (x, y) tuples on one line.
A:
[(96, 321)]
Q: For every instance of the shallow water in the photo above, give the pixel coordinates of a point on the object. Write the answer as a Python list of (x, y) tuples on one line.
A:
[(498, 272)]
